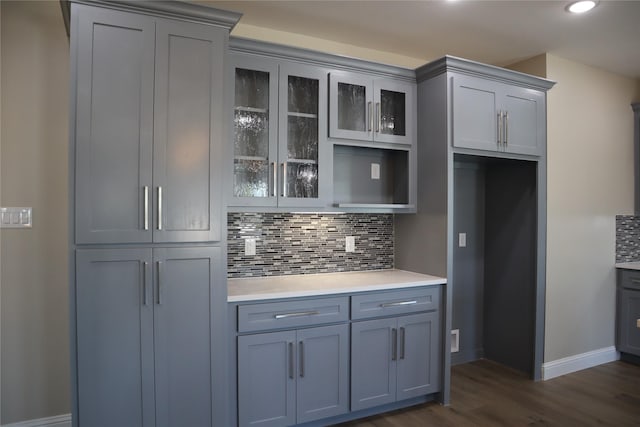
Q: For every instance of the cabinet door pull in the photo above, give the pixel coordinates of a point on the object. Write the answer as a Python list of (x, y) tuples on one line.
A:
[(301, 359), (635, 281), (159, 282), (394, 344), (290, 360), (284, 179), (499, 120), (638, 323), (145, 265), (159, 208), (299, 314), (378, 117), (402, 337), (506, 128), (397, 304), (369, 116), (146, 206), (275, 179)]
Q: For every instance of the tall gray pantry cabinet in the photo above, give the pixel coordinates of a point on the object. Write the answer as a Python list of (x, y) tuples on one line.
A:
[(148, 294)]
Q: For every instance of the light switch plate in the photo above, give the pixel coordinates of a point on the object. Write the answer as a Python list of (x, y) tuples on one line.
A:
[(455, 340), (375, 171), (462, 240), (250, 247), (350, 244), (16, 218)]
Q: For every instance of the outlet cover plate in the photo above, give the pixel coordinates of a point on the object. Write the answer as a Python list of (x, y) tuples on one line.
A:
[(350, 244), (250, 247), (16, 218)]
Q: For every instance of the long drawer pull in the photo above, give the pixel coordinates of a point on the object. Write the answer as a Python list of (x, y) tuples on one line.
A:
[(636, 281), (397, 304), (300, 314)]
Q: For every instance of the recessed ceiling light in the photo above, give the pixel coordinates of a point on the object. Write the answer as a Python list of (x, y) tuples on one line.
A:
[(581, 6)]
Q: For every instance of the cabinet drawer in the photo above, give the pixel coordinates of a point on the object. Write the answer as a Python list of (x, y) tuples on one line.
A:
[(395, 302), (292, 314), (630, 279)]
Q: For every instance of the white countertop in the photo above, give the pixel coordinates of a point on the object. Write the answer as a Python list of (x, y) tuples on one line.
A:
[(628, 265), (303, 285)]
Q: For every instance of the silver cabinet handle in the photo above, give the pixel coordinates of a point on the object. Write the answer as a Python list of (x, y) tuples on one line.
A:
[(299, 314), (369, 116), (284, 179), (290, 360), (394, 343), (636, 281), (506, 128), (159, 282), (402, 337), (145, 265), (159, 208), (499, 127), (301, 359), (396, 304), (638, 323), (146, 206), (378, 117), (275, 179)]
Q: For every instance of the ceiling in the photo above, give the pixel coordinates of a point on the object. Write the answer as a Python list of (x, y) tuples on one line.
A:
[(494, 32)]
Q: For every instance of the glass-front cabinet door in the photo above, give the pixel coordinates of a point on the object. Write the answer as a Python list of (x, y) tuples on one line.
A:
[(255, 129), (364, 108), (303, 127)]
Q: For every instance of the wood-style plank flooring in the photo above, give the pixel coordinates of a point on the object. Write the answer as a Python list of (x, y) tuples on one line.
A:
[(484, 393)]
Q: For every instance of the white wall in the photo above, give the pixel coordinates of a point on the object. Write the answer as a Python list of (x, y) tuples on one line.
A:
[(33, 267), (590, 176)]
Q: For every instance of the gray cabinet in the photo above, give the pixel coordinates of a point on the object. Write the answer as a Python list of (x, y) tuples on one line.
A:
[(394, 359), (144, 336), (148, 128), (293, 377), (280, 131), (365, 108), (493, 116), (628, 312)]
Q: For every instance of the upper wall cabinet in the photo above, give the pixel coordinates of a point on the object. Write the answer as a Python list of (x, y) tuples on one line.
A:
[(493, 116), (147, 129), (368, 109), (279, 134)]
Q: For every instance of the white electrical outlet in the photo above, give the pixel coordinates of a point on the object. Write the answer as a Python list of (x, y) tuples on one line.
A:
[(250, 247), (462, 240), (375, 170), (455, 340), (350, 244)]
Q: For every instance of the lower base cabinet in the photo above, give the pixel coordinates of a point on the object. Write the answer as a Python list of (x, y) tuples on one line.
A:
[(629, 321), (292, 377), (144, 336), (394, 359)]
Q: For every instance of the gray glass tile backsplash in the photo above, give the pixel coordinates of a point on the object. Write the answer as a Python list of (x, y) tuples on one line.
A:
[(308, 243), (627, 238)]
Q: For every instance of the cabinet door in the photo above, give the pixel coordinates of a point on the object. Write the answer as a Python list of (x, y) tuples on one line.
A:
[(475, 113), (182, 300), (524, 130), (350, 106), (418, 355), (114, 126), (629, 321), (266, 379), (255, 132), (188, 134), (394, 109), (373, 363), (303, 151), (114, 321), (323, 369)]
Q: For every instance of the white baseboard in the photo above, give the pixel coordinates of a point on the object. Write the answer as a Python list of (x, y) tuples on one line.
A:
[(57, 421), (579, 362)]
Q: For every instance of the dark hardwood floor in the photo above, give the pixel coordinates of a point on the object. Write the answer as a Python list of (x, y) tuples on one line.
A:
[(484, 393)]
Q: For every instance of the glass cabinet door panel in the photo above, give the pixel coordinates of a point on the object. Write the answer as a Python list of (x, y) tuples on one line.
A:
[(302, 180), (251, 134), (302, 95), (352, 105), (250, 178), (252, 89), (302, 138), (392, 113)]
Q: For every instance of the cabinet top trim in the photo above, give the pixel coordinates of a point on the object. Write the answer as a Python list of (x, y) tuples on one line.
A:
[(167, 9), (312, 57), (465, 66)]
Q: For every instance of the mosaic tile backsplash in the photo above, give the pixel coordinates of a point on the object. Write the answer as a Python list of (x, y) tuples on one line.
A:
[(627, 238), (308, 243)]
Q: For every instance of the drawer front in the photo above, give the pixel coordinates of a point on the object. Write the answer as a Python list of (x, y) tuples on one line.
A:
[(395, 302), (630, 279), (292, 314)]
